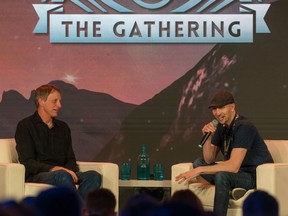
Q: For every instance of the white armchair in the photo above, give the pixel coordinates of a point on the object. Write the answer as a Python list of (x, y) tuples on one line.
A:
[(272, 178), (12, 174)]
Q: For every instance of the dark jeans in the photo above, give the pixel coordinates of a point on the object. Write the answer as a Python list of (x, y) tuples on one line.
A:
[(224, 182), (87, 181)]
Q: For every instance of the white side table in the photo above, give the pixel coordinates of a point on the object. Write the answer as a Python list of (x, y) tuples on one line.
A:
[(133, 183)]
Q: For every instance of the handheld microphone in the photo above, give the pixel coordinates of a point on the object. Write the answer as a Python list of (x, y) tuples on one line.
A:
[(206, 135)]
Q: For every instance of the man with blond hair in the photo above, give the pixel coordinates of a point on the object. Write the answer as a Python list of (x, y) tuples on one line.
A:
[(44, 146)]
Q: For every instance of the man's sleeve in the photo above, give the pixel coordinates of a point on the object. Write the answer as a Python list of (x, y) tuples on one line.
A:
[(244, 136)]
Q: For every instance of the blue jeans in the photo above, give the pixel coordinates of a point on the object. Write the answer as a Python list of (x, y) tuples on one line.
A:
[(87, 181), (224, 182)]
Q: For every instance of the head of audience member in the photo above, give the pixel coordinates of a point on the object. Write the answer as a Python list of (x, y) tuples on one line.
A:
[(30, 203), (139, 205), (260, 203), (13, 208), (188, 197), (176, 209), (59, 201), (100, 202)]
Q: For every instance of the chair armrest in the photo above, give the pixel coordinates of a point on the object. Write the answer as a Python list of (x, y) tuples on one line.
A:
[(273, 178), (12, 181), (108, 171), (177, 169)]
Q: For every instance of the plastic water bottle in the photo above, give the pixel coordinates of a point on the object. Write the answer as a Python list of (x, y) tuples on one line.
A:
[(143, 164)]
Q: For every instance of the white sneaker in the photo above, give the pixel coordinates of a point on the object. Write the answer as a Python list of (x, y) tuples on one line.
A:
[(237, 193)]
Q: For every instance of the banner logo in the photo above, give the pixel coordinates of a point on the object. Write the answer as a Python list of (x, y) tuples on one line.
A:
[(204, 25)]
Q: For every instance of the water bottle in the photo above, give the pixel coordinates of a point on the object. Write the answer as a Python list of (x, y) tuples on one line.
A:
[(143, 164)]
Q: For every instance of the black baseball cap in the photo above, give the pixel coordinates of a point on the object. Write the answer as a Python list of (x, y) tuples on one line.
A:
[(221, 99)]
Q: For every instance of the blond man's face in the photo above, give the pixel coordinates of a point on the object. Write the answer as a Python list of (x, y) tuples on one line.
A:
[(52, 105)]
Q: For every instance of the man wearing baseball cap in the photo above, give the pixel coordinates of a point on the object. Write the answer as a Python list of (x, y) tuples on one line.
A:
[(242, 147)]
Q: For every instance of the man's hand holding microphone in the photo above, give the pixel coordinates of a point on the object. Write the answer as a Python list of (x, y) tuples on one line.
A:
[(207, 130)]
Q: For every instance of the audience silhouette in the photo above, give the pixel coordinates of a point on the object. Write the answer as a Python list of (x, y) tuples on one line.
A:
[(188, 197), (176, 209), (100, 202), (59, 201), (260, 203), (13, 208), (139, 205), (62, 201)]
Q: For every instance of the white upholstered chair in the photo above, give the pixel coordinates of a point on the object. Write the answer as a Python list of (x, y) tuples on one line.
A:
[(12, 174), (272, 178)]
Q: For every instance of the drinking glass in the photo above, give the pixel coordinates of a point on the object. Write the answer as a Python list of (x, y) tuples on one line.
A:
[(125, 171), (158, 171)]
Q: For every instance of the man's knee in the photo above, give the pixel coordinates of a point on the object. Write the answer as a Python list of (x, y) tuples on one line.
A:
[(221, 178), (199, 162), (63, 177), (94, 176)]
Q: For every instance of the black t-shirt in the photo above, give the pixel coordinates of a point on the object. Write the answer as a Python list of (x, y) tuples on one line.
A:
[(242, 134)]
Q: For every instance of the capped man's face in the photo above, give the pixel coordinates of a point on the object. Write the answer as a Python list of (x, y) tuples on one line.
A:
[(224, 114)]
